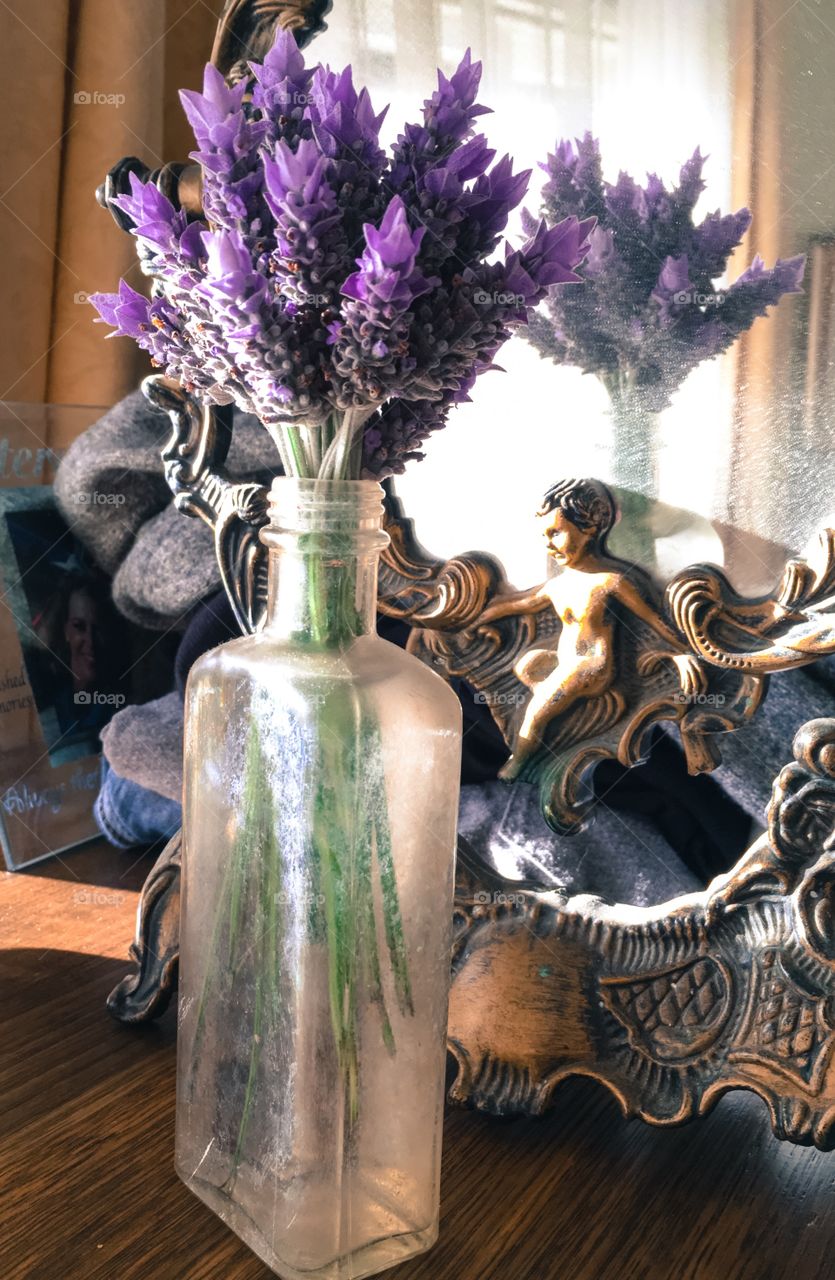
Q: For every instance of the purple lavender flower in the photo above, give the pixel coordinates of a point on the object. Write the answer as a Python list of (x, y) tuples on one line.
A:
[(674, 288), (649, 310), (126, 310), (448, 118), (153, 215), (487, 206), (575, 176), (228, 138), (456, 334), (153, 324), (373, 349), (715, 239), (394, 436), (768, 286), (431, 164), (282, 89), (691, 184), (327, 284), (210, 112), (344, 120), (311, 250)]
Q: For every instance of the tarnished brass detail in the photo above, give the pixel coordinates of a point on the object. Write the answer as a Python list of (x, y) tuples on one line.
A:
[(579, 669), (146, 993), (246, 30), (668, 1007), (193, 461)]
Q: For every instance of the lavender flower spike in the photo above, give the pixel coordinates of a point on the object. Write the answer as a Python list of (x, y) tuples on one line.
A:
[(342, 118), (552, 253), (450, 112), (153, 215), (373, 346), (448, 118), (282, 80), (387, 268), (311, 245), (126, 310), (208, 112)]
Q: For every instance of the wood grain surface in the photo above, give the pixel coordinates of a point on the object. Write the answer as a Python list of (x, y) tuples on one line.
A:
[(88, 1190)]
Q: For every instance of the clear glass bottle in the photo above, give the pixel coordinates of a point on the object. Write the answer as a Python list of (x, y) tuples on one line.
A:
[(321, 793)]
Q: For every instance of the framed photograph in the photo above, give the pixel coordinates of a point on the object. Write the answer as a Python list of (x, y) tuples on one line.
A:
[(70, 635), (50, 627)]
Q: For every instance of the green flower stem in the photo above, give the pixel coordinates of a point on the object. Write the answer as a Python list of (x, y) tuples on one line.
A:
[(230, 898), (295, 449), (367, 924), (338, 808), (256, 837), (392, 919), (254, 1060), (350, 827)]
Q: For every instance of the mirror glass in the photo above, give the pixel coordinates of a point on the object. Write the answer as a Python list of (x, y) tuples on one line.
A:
[(738, 466), (744, 434)]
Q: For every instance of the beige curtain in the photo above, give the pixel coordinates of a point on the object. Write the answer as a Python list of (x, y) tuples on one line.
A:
[(783, 59), (758, 145), (85, 82)]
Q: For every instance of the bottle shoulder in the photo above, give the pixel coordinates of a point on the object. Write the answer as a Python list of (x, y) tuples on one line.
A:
[(262, 659)]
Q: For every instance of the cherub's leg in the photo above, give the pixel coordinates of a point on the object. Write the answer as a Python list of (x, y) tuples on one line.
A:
[(552, 697)]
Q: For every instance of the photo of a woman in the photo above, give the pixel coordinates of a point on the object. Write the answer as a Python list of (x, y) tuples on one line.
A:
[(71, 636)]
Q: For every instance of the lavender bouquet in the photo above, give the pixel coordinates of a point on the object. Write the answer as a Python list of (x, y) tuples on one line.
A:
[(346, 297), (649, 311)]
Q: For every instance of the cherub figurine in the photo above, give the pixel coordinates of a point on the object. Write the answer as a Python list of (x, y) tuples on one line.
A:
[(593, 598), (578, 670)]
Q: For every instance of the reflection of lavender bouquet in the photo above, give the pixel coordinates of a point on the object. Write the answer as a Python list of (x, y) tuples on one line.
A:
[(342, 295), (649, 310)]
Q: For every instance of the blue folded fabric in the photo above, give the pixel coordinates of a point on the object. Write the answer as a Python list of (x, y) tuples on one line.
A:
[(129, 815)]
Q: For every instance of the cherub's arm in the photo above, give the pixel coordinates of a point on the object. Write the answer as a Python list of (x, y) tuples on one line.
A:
[(534, 600), (691, 675), (629, 595)]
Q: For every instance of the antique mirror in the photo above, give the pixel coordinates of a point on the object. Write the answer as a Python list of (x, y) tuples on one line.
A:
[(610, 921)]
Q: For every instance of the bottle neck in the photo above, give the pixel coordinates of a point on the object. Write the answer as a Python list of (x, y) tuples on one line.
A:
[(324, 540)]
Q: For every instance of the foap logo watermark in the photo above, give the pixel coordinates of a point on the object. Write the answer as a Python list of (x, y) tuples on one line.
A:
[(98, 98), (484, 899), (96, 499), (500, 699), (496, 298), (80, 298), (693, 298), (297, 98), (316, 301), (97, 698), (97, 898), (305, 899), (702, 699)]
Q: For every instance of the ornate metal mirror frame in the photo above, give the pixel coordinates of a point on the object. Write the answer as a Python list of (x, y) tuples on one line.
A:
[(668, 1006)]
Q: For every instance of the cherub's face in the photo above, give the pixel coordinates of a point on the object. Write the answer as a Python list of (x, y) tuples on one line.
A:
[(566, 543)]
